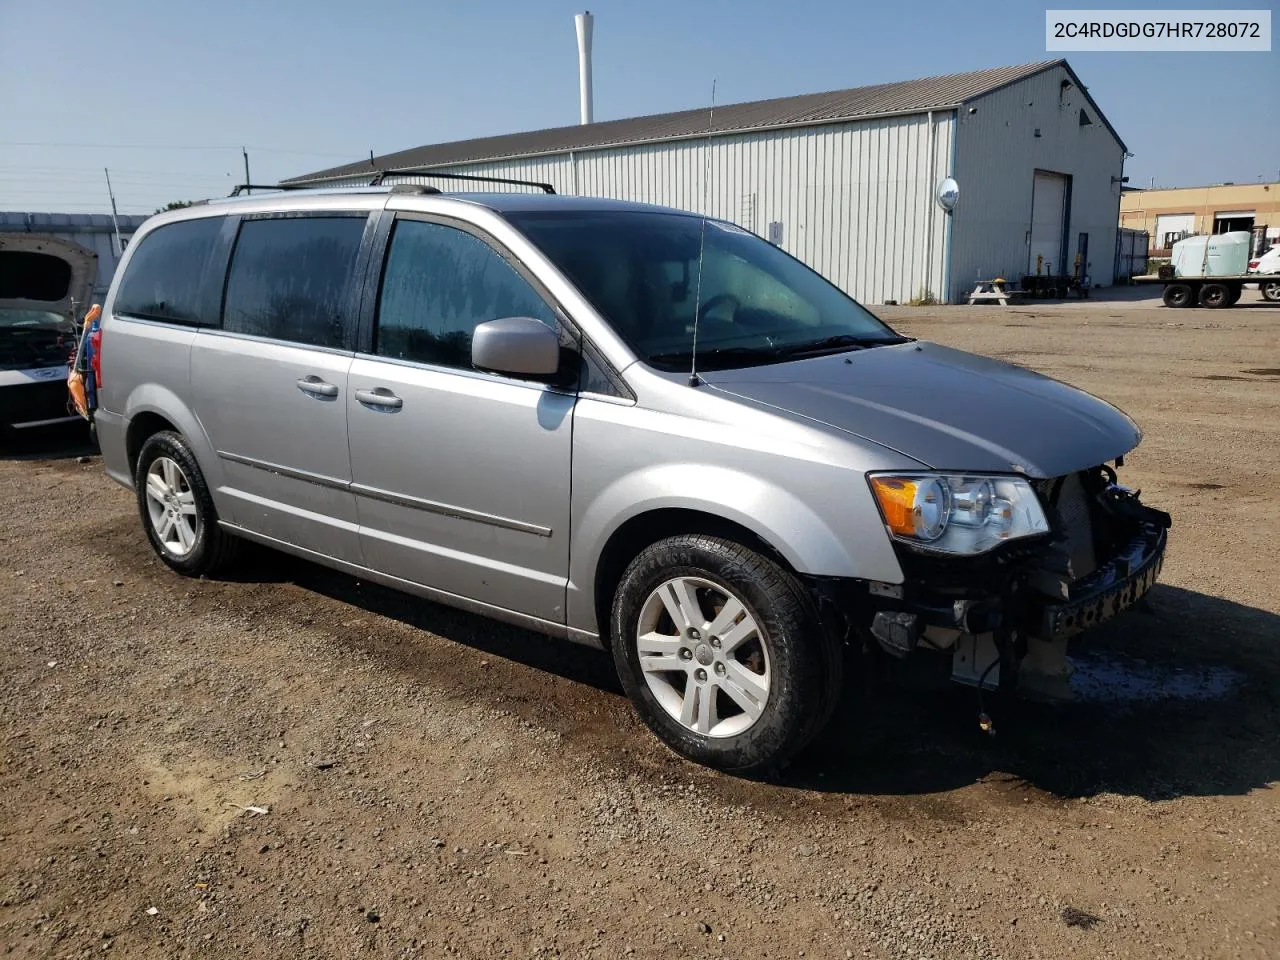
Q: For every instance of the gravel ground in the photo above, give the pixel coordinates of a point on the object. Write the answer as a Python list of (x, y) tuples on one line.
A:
[(294, 763)]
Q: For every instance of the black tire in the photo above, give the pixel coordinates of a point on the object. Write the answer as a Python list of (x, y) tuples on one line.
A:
[(213, 548), (804, 662), (1179, 295), (1234, 291), (1215, 296), (1270, 290)]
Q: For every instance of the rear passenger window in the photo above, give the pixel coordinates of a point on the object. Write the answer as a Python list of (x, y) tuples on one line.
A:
[(162, 280), (290, 278), (440, 282)]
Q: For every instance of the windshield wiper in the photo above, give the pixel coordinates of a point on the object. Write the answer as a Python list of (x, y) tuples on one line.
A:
[(838, 343), (715, 357)]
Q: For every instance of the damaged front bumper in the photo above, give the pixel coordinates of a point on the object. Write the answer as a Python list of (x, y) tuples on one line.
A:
[(1023, 601), (1111, 589)]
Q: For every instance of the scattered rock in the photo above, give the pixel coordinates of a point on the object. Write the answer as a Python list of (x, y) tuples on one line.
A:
[(1075, 917)]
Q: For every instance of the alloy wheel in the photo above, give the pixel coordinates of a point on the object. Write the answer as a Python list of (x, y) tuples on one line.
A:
[(171, 506), (704, 657)]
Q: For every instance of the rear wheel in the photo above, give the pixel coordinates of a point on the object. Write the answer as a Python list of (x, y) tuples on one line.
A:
[(176, 508), (1179, 295), (1215, 296), (1270, 290), (1235, 290), (721, 652)]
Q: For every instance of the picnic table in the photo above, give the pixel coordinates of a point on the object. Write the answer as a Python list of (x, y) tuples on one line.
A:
[(997, 290)]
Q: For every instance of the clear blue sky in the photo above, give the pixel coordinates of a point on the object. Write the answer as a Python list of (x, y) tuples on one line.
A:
[(307, 85)]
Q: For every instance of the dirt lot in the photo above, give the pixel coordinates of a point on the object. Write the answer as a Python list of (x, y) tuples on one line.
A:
[(293, 763)]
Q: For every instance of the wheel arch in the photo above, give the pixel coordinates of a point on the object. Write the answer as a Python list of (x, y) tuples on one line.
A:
[(143, 426), (152, 408), (696, 498), (647, 528)]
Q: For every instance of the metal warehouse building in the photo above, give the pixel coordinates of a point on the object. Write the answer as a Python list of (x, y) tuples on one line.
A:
[(847, 180)]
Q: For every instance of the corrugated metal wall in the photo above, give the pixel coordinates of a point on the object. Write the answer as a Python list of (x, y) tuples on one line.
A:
[(997, 154), (854, 200)]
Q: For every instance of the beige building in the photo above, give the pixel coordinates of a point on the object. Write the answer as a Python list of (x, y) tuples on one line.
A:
[(1172, 213)]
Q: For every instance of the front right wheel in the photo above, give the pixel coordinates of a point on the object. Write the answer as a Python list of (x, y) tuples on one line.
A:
[(722, 654)]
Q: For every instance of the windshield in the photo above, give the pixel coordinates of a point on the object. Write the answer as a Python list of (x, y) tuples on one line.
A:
[(755, 304), (34, 320)]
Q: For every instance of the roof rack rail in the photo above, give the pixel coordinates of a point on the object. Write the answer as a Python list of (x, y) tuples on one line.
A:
[(267, 186), (429, 172)]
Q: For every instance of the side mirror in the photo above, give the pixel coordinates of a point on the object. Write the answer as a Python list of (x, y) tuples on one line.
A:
[(518, 346)]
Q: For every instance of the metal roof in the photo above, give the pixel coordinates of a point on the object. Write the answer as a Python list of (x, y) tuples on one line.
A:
[(905, 97)]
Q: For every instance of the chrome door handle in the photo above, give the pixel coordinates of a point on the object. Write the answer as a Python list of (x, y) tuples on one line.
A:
[(379, 397), (317, 387)]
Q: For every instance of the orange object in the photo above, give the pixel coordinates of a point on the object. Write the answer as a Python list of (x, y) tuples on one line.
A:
[(897, 499), (75, 387)]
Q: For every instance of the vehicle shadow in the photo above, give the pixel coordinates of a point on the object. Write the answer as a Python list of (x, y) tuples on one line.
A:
[(1155, 738), (1182, 699), (571, 661), (59, 442)]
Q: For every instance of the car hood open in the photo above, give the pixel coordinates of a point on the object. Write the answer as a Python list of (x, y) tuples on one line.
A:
[(40, 272), (947, 409)]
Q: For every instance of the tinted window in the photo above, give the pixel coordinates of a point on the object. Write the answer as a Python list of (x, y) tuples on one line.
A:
[(438, 284), (650, 274), (290, 277), (163, 277)]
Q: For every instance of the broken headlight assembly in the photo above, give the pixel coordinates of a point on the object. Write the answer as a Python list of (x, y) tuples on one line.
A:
[(957, 514)]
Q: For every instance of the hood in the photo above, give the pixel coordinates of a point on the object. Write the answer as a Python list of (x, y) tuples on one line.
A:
[(947, 409), (40, 272)]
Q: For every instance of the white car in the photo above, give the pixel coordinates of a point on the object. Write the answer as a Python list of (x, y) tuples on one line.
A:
[(1268, 265), (1269, 262)]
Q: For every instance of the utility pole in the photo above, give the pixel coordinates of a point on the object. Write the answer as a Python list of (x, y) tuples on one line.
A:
[(246, 167), (115, 222)]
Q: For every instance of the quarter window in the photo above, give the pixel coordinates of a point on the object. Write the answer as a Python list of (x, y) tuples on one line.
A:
[(290, 278), (439, 283), (162, 280)]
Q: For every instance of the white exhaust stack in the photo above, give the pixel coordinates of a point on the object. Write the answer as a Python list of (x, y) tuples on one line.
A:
[(584, 22)]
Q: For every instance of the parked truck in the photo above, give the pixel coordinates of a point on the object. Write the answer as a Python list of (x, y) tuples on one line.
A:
[(1211, 272)]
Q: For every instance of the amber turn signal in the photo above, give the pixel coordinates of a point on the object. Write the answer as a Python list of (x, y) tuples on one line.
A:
[(897, 498)]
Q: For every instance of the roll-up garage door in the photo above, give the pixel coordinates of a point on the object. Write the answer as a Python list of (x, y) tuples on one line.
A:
[(1048, 226)]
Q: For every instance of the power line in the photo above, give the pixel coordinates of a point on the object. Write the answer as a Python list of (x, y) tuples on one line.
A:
[(22, 168), (44, 177), (155, 146)]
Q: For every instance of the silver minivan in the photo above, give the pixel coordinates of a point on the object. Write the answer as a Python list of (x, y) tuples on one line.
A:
[(620, 424)]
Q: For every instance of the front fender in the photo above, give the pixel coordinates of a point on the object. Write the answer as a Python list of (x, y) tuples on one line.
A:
[(807, 541)]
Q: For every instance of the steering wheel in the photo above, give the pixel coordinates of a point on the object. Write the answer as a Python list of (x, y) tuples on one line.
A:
[(720, 299)]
